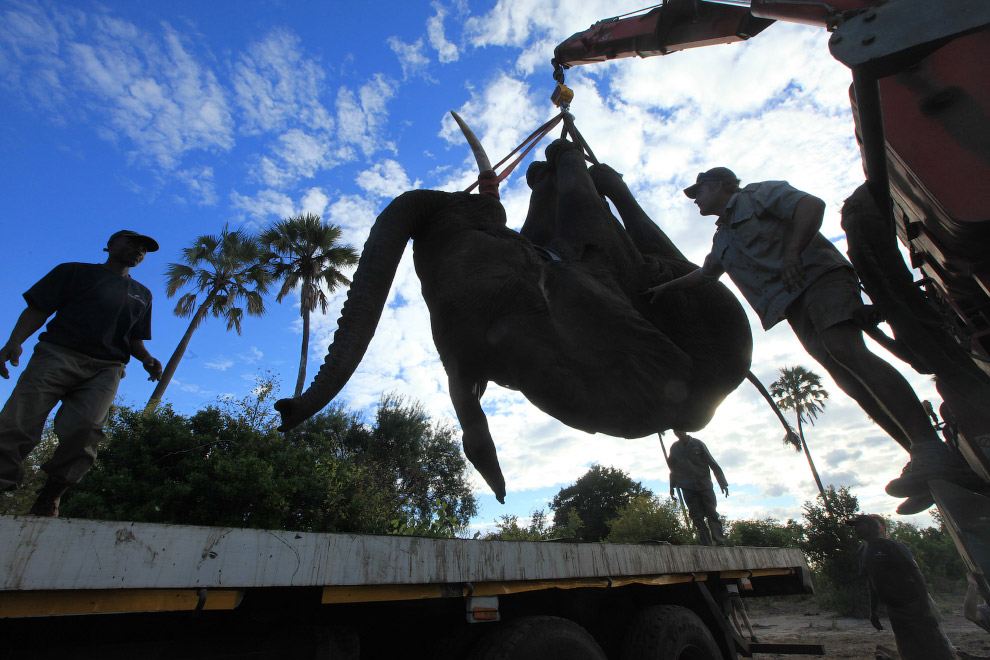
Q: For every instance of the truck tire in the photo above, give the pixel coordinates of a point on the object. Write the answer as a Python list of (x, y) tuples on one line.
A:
[(537, 638), (669, 632)]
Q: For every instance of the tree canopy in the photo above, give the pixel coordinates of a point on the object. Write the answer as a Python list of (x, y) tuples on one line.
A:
[(649, 518), (227, 270), (596, 498), (303, 251), (801, 390), (221, 467)]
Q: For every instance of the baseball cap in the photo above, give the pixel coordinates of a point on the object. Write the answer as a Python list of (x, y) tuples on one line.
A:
[(714, 174), (149, 243)]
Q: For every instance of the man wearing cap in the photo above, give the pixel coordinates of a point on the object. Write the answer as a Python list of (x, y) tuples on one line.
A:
[(894, 579), (102, 318), (767, 239)]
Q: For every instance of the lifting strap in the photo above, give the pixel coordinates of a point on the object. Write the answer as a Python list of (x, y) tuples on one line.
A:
[(489, 180)]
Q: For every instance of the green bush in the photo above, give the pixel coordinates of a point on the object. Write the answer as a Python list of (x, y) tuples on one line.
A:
[(766, 533), (649, 518), (229, 467)]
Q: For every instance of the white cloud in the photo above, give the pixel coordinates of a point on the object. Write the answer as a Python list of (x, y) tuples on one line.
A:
[(30, 53), (501, 114), (361, 115), (315, 201), (411, 58), (219, 365), (200, 182), (153, 92), (148, 91), (251, 356), (298, 154), (265, 206), (446, 51), (277, 86), (355, 215), (385, 179)]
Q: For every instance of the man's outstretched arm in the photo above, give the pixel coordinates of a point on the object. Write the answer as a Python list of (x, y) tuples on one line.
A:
[(30, 320), (692, 279)]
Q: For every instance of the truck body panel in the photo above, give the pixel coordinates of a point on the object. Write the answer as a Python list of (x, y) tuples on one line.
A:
[(52, 554)]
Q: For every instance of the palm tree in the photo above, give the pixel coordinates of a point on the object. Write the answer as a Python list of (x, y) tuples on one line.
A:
[(801, 390), (303, 252), (227, 268)]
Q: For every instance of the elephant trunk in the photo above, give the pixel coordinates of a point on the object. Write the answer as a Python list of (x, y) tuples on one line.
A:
[(363, 307)]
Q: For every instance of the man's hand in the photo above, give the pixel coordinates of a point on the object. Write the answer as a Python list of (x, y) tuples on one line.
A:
[(153, 367), (726, 491), (875, 620), (655, 292), (792, 271), (673, 496), (11, 352)]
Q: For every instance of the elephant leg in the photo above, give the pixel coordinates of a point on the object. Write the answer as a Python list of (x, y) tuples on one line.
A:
[(645, 233), (479, 447), (541, 221), (580, 211), (583, 217)]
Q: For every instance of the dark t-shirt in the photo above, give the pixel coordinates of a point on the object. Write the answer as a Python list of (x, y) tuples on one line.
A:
[(96, 312), (890, 566)]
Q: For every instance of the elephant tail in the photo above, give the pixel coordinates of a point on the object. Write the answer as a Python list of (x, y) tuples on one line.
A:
[(364, 304)]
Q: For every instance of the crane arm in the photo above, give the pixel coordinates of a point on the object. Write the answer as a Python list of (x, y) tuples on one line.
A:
[(680, 24)]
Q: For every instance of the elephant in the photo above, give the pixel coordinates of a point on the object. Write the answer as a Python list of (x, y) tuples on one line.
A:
[(555, 310)]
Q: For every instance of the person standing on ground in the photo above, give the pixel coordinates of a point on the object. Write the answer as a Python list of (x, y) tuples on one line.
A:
[(978, 614), (767, 239), (894, 579), (691, 466), (102, 318)]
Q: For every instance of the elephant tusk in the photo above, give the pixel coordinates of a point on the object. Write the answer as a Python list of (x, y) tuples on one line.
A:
[(484, 165)]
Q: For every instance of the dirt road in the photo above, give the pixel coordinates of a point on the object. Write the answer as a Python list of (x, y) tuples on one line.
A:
[(852, 639)]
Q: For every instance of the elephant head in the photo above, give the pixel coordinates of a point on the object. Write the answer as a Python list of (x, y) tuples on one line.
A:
[(554, 312)]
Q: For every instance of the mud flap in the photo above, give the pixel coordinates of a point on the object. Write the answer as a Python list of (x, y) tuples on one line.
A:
[(967, 515)]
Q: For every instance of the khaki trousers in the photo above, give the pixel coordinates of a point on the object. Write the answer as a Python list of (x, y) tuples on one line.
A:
[(86, 387)]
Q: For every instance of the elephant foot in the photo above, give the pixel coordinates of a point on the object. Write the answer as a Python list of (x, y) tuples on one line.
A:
[(558, 148), (481, 452), (607, 181), (536, 173)]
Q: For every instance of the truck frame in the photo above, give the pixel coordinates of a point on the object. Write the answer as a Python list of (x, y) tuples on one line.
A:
[(124, 589)]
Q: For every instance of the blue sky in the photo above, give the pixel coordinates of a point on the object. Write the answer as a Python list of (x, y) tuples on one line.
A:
[(176, 119)]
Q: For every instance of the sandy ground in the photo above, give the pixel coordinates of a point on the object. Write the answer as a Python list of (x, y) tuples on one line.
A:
[(851, 639)]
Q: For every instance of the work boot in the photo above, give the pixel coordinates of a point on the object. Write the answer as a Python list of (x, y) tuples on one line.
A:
[(46, 504), (916, 504), (929, 461)]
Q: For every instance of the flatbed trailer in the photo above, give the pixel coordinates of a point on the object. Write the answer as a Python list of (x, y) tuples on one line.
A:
[(72, 588)]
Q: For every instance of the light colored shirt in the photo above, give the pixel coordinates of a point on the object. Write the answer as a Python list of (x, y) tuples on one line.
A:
[(691, 465), (749, 246)]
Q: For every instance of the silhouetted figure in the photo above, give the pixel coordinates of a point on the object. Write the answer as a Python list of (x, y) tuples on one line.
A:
[(102, 318), (691, 465), (978, 614), (767, 239), (895, 580)]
